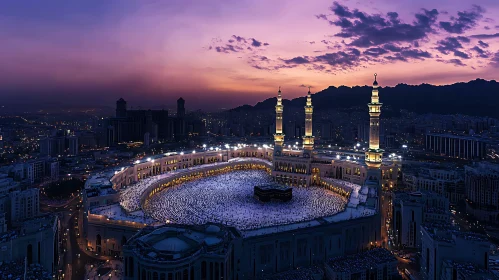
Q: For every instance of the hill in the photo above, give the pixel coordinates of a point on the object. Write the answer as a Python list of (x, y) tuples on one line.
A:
[(477, 98)]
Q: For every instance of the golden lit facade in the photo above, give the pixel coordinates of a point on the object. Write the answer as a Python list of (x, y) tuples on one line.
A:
[(374, 153), (308, 139), (278, 136)]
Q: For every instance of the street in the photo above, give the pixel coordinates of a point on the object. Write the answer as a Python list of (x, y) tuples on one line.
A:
[(75, 258)]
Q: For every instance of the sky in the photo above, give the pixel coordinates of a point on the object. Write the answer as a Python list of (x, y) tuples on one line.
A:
[(220, 53)]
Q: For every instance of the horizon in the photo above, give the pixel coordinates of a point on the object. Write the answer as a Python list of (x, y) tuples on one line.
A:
[(223, 54), (172, 106)]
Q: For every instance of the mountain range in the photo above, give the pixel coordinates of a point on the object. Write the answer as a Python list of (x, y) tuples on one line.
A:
[(476, 98)]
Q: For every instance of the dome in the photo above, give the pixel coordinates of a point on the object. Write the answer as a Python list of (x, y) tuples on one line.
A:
[(212, 229)]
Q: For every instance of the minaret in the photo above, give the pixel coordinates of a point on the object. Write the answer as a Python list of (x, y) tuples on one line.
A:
[(308, 139), (278, 136), (374, 153)]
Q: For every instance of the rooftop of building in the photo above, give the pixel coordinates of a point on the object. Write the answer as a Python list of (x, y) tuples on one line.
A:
[(484, 168), (448, 233), (361, 261), (468, 270), (173, 242), (306, 273), (29, 227)]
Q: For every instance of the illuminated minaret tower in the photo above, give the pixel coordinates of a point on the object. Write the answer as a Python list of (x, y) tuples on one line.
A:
[(308, 139), (278, 136), (374, 153)]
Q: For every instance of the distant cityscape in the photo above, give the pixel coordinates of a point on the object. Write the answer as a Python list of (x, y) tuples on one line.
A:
[(276, 193)]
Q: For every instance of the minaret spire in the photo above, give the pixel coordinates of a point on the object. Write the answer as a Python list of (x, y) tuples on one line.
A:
[(278, 136), (374, 153), (308, 139)]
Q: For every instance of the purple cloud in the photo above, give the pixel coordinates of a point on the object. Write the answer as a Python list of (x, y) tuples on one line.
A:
[(465, 20)]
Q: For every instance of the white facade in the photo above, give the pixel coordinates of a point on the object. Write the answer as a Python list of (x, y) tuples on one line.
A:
[(24, 204)]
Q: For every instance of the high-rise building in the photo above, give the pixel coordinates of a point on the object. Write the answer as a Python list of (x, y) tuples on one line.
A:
[(121, 109), (24, 205), (35, 170), (482, 191), (442, 243), (411, 210), (73, 145), (132, 125)]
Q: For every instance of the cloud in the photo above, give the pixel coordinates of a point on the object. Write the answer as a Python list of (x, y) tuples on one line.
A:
[(495, 60), (255, 43), (480, 52), (369, 30), (297, 60), (228, 48), (406, 54), (321, 16), (417, 54), (465, 20), (237, 44), (375, 51), (483, 44), (350, 57), (461, 54), (392, 48), (454, 61), (239, 38), (302, 85), (485, 36), (453, 45)]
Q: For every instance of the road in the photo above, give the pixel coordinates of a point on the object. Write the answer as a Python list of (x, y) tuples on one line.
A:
[(74, 258)]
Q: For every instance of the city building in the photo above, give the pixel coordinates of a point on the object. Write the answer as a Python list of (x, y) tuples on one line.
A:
[(114, 201), (482, 191), (456, 146), (73, 145), (24, 204), (180, 252), (443, 246), (36, 241), (411, 210), (445, 180), (37, 171), (374, 264), (141, 125)]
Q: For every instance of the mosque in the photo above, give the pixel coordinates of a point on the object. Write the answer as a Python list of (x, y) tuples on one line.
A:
[(118, 220)]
